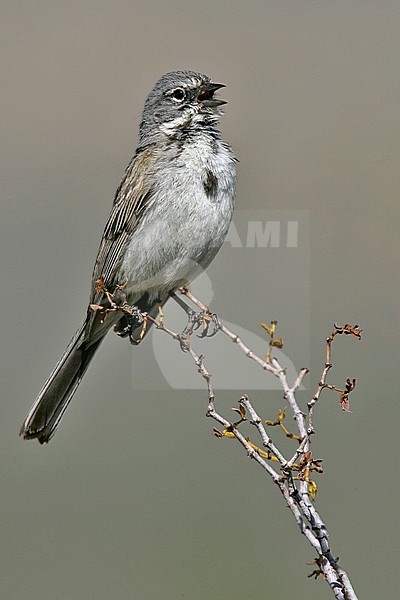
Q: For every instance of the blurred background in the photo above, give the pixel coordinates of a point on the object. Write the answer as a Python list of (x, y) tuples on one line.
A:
[(134, 498)]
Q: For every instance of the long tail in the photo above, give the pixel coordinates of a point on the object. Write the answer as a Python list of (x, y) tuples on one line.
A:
[(56, 394)]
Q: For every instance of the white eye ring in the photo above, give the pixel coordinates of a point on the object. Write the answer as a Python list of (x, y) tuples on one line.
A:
[(178, 94)]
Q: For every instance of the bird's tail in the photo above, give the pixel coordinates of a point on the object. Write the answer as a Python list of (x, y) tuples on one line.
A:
[(56, 394)]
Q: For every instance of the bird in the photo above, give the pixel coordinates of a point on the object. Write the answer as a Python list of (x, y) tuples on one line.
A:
[(169, 218)]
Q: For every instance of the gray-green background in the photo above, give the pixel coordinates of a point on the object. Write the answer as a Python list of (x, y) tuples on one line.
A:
[(134, 498)]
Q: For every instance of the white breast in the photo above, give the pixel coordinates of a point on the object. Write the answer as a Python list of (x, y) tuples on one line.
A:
[(183, 227)]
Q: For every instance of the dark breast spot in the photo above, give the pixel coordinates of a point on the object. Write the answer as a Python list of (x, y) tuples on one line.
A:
[(210, 184)]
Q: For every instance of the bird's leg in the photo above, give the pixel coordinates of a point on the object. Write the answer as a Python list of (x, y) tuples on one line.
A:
[(133, 317), (202, 318), (191, 325), (117, 302), (160, 313), (136, 341)]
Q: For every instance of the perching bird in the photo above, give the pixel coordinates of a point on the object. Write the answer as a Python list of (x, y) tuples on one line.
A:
[(170, 216)]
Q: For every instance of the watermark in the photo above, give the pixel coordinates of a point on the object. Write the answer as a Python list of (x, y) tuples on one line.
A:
[(264, 234), (262, 273)]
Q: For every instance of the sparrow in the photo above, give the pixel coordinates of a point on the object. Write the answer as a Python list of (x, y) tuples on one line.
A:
[(170, 215)]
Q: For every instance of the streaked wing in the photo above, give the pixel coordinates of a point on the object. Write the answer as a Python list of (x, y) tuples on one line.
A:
[(130, 200)]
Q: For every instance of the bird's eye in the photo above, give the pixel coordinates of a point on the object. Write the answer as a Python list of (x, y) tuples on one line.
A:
[(178, 95)]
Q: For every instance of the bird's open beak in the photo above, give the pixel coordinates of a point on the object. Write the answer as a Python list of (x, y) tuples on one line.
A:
[(205, 96)]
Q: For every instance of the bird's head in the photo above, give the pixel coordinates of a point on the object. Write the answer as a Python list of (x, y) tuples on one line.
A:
[(181, 100)]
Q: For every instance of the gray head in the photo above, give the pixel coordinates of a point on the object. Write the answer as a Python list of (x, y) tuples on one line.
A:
[(180, 101)]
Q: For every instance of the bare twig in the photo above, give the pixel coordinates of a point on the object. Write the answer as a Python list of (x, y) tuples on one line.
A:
[(298, 501), (299, 497), (344, 394)]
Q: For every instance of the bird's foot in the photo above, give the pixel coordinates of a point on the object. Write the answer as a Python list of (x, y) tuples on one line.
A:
[(207, 321), (210, 323), (130, 323)]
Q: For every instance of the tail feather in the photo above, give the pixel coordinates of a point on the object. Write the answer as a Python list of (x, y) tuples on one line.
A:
[(55, 396)]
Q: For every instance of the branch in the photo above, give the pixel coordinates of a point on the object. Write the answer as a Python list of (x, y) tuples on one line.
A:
[(292, 475), (300, 501)]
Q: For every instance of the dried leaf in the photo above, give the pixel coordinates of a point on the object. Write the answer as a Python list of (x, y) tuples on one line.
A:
[(349, 330), (278, 343), (96, 307), (305, 458), (344, 401), (316, 465), (100, 287), (350, 384), (353, 330), (315, 574)]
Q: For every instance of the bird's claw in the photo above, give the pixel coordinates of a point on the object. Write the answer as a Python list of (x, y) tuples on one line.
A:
[(201, 319), (134, 319), (208, 319)]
